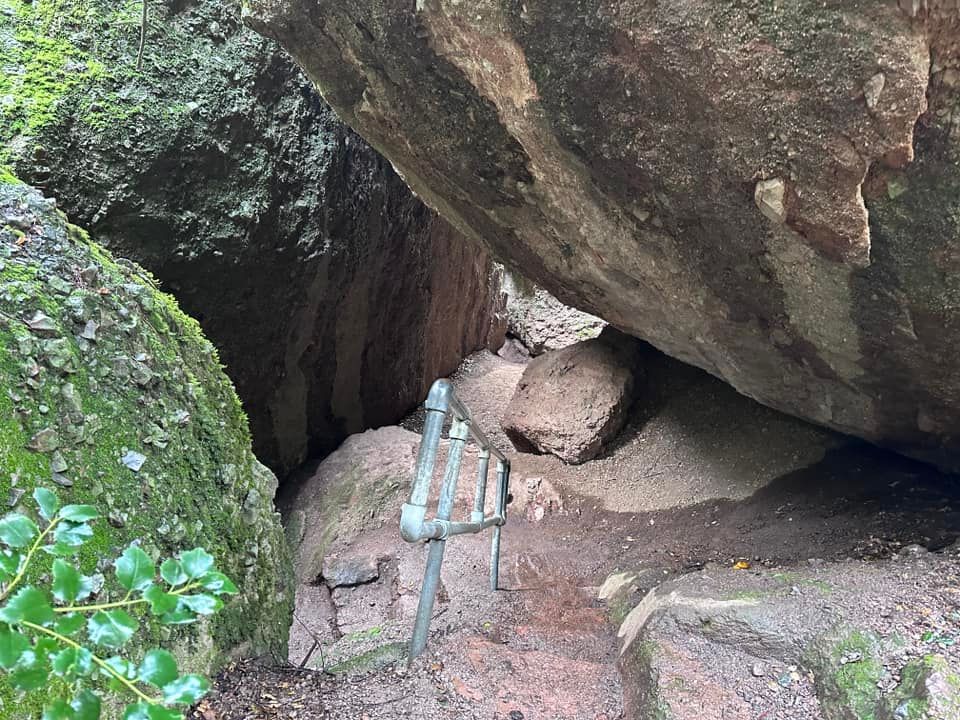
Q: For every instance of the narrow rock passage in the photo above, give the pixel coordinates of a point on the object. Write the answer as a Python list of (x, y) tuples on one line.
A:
[(701, 479)]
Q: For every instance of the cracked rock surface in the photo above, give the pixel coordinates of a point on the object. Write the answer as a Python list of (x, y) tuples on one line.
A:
[(765, 191)]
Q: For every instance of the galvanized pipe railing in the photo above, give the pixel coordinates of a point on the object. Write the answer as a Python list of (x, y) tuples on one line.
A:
[(414, 525)]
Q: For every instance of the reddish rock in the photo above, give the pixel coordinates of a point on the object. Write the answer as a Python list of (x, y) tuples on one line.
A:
[(571, 401)]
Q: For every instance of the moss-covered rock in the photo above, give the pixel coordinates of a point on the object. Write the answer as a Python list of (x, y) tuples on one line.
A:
[(929, 690), (847, 665), (110, 395), (218, 159)]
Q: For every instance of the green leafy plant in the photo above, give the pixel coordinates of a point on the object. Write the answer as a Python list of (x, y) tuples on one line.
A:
[(52, 635)]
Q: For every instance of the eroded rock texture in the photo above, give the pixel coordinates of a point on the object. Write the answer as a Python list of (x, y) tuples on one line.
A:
[(764, 190), (334, 295)]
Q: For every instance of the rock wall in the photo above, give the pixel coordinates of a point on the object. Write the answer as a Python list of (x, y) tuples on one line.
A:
[(334, 295), (767, 191), (112, 396)]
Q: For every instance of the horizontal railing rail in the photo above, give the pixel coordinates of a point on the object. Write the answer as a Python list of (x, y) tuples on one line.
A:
[(414, 525)]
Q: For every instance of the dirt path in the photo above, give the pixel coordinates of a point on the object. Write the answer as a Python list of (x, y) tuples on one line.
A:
[(701, 475)]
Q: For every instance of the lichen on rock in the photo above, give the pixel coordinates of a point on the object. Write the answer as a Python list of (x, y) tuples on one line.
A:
[(136, 418)]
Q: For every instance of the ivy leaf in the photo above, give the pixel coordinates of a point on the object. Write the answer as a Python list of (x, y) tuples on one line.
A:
[(158, 668), (160, 601), (9, 565), (30, 605), (29, 677), (18, 530), (135, 569), (72, 533), (181, 615), (185, 690), (68, 584), (61, 549), (69, 623), (79, 513), (111, 629), (196, 562), (172, 572), (72, 662), (47, 502), (12, 646), (147, 711), (57, 710), (218, 583), (86, 706), (202, 604)]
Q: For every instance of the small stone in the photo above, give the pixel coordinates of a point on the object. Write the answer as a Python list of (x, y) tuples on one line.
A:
[(58, 463), (872, 89), (62, 480), (768, 195), (90, 274), (45, 440), (41, 323), (14, 497), (346, 572), (181, 417), (90, 330), (116, 520), (133, 460), (758, 670), (516, 715)]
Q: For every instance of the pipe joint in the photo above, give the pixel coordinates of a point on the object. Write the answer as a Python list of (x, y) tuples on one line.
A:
[(411, 522)]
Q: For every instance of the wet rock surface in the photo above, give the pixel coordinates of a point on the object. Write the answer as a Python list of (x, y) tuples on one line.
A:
[(765, 191), (333, 294), (570, 402), (166, 458)]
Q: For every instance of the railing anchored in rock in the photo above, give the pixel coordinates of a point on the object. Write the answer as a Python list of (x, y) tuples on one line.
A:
[(414, 527)]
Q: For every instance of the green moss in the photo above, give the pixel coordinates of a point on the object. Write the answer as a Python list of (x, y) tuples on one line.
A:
[(371, 660), (847, 666), (149, 383), (801, 581), (7, 177)]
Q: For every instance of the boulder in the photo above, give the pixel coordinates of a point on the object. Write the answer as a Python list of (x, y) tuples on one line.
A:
[(110, 395), (820, 641), (540, 321), (767, 191), (333, 294), (571, 402)]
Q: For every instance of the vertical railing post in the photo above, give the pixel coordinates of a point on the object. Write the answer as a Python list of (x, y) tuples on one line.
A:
[(503, 478), (479, 502), (459, 431)]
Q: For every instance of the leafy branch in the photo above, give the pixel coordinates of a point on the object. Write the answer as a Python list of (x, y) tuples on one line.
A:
[(42, 627)]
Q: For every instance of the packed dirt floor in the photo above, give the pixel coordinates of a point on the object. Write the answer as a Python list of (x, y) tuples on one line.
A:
[(701, 478)]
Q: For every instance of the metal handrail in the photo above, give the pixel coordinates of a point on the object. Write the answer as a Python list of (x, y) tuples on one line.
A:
[(414, 526)]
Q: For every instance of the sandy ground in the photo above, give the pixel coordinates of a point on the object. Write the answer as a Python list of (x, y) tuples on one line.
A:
[(701, 475)]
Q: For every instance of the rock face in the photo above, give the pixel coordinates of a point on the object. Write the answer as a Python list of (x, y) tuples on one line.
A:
[(571, 401), (834, 642), (540, 321), (333, 294), (766, 191), (112, 396)]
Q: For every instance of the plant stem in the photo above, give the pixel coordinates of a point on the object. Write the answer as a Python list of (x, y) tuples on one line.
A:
[(120, 603), (100, 663), (26, 562), (143, 37)]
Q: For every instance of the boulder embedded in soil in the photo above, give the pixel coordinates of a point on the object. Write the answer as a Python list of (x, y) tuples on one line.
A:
[(842, 641), (570, 402), (110, 395)]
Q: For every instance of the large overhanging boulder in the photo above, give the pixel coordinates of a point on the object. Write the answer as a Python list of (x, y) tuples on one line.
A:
[(767, 191)]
